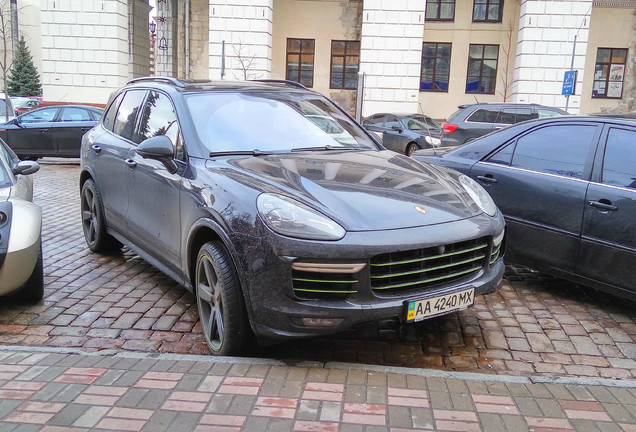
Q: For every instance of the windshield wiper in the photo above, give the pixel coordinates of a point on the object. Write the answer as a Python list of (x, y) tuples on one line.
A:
[(327, 147), (255, 152)]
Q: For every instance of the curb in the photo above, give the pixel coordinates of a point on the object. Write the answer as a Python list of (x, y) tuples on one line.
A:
[(432, 373)]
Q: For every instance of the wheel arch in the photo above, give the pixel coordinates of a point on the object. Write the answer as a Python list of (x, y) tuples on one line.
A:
[(205, 230)]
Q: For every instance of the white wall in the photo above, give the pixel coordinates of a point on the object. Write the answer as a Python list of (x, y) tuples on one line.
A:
[(246, 28), (391, 54), (544, 50), (85, 52)]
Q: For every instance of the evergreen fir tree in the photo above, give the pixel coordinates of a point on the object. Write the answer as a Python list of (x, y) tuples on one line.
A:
[(24, 79)]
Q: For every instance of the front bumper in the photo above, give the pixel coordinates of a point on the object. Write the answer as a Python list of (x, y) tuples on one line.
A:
[(19, 244), (278, 309)]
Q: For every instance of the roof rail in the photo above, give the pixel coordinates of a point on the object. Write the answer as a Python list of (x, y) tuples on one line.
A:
[(168, 80), (285, 82)]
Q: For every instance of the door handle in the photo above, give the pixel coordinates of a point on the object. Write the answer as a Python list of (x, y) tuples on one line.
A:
[(96, 148), (131, 163), (488, 178), (603, 205), (43, 130)]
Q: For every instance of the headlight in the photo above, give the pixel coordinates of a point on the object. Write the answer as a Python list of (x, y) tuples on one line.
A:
[(479, 195), (291, 218), (435, 142)]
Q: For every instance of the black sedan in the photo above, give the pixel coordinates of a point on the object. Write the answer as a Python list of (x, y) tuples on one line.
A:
[(281, 213), (567, 188), (50, 131), (405, 133)]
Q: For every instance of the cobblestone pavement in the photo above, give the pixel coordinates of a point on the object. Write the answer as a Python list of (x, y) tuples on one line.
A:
[(533, 326)]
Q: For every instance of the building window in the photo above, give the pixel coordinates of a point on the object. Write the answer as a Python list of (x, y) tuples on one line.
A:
[(487, 10), (609, 73), (345, 59), (435, 66), (482, 68), (300, 61), (440, 10)]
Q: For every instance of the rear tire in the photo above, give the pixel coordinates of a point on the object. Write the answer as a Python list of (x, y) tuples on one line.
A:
[(220, 302), (33, 289), (93, 221)]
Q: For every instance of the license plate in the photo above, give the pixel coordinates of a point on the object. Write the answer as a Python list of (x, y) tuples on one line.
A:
[(421, 309)]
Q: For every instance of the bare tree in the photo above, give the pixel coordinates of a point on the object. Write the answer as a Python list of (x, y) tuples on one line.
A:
[(507, 81), (6, 61), (245, 61)]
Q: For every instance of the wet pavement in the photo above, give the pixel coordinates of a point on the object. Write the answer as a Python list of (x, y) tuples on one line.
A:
[(534, 326)]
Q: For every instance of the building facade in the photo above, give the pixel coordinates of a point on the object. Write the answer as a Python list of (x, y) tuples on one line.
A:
[(415, 55)]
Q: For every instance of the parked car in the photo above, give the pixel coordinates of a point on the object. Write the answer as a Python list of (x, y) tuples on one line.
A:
[(21, 269), (282, 224), (22, 105), (50, 131), (474, 120), (567, 188), (6, 110), (405, 133)]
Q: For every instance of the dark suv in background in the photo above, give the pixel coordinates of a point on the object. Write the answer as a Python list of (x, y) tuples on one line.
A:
[(474, 120)]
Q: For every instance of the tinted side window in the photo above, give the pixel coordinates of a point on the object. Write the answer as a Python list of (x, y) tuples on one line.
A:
[(392, 121), (125, 120), (109, 118), (619, 166), (484, 115), (542, 113), (159, 118), (503, 156), (75, 114), (376, 120), (561, 150), (514, 115), (39, 116)]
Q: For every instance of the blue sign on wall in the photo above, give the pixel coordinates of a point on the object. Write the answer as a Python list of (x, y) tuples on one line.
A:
[(569, 83)]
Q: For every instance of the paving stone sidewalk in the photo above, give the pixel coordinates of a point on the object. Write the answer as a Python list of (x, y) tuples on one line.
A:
[(60, 390)]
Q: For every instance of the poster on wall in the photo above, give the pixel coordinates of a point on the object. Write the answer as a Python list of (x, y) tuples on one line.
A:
[(615, 89), (616, 72)]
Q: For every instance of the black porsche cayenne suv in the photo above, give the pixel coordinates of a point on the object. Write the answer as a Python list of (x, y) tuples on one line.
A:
[(281, 213)]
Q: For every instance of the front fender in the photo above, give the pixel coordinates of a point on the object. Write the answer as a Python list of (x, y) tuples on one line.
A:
[(23, 245)]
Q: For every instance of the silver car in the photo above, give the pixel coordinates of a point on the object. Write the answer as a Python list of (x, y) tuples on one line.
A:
[(21, 269)]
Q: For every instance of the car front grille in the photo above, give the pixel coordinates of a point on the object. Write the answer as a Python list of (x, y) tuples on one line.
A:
[(420, 268), (312, 285)]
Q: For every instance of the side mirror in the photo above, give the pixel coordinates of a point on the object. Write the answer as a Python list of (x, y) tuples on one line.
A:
[(26, 167), (160, 148), (396, 129)]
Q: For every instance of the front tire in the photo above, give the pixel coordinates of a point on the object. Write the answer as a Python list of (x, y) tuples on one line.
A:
[(410, 149), (219, 301), (93, 221)]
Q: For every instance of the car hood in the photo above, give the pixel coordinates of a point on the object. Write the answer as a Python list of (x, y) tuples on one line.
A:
[(361, 190)]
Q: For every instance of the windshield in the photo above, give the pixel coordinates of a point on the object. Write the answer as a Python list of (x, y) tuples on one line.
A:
[(272, 122), (419, 123)]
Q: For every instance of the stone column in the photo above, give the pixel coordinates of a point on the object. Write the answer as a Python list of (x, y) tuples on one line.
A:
[(391, 54), (544, 50), (246, 28)]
